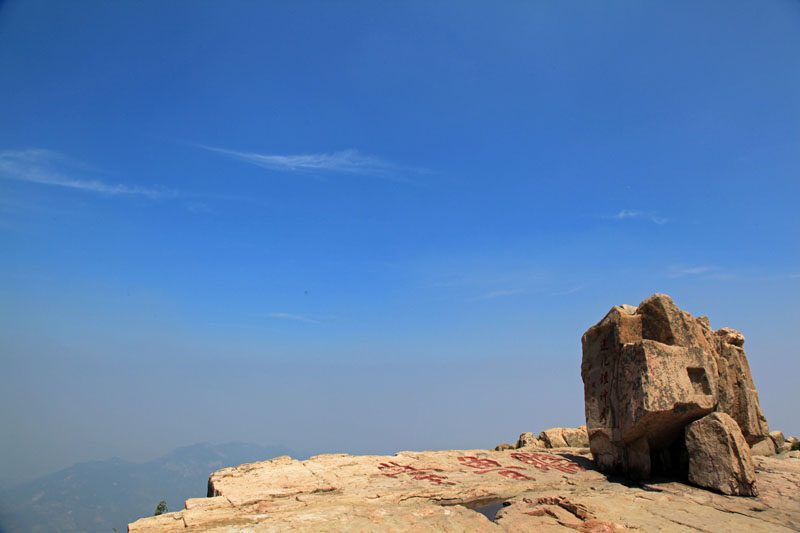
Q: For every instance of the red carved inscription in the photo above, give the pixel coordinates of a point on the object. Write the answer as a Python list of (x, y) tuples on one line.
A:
[(394, 470), (484, 466), (545, 461)]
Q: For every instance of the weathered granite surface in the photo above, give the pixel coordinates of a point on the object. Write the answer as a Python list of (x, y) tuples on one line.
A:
[(557, 490), (550, 438), (651, 370), (719, 457)]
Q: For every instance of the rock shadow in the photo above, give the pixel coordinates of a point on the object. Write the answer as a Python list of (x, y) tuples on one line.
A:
[(582, 461)]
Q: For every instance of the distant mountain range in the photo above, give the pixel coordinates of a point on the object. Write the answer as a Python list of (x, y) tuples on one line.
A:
[(99, 496)]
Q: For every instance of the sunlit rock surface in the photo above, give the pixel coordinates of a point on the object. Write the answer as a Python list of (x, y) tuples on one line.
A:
[(651, 370), (520, 490), (719, 457), (664, 395)]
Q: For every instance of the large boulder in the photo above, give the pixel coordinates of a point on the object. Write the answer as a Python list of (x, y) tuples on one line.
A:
[(763, 447), (651, 370), (719, 457), (778, 438), (553, 438), (576, 437), (527, 440)]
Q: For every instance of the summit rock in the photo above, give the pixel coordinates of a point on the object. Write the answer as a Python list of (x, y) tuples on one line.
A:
[(650, 371)]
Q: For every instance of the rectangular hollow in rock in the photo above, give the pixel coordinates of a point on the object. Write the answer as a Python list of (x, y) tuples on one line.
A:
[(699, 380)]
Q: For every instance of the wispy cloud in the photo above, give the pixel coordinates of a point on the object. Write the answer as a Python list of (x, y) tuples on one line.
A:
[(45, 167), (630, 214), (500, 293), (571, 290), (676, 271), (290, 316), (343, 162), (626, 213)]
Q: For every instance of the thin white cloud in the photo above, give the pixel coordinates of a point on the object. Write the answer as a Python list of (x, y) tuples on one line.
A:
[(680, 271), (630, 214), (500, 293), (290, 316), (571, 290), (344, 162), (36, 165), (626, 213), (197, 207), (723, 276)]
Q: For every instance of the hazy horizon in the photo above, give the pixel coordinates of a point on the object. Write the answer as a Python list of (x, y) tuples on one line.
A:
[(368, 227)]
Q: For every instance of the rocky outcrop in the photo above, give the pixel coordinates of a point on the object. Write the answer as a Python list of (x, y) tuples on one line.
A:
[(651, 370), (782, 444), (553, 438), (565, 437), (576, 437), (527, 440), (736, 391), (719, 457), (550, 439), (764, 447), (663, 392), (472, 490), (777, 438)]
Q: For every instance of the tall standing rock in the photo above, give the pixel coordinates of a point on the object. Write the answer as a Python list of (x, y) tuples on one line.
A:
[(648, 372), (737, 392)]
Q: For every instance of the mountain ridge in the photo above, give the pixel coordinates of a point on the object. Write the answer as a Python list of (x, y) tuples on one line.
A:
[(101, 495)]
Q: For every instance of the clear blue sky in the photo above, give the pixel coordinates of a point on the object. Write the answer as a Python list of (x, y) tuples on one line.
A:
[(372, 226)]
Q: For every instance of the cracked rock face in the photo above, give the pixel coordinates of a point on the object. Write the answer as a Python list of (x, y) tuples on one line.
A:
[(556, 490), (651, 370)]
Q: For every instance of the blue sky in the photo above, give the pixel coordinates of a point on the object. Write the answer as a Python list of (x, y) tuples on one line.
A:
[(371, 226)]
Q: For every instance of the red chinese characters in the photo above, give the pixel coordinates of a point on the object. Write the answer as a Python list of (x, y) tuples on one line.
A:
[(605, 382), (484, 466), (545, 461), (394, 470), (511, 474)]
